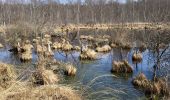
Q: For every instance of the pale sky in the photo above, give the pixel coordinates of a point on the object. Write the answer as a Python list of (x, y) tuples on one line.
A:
[(64, 1)]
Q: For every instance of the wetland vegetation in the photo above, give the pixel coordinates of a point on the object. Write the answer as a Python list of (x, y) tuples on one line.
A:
[(84, 50)]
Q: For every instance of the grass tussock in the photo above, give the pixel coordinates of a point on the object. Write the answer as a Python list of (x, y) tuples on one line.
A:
[(87, 37), (157, 87), (121, 67), (7, 75), (77, 48), (1, 46), (44, 76), (57, 45), (67, 46), (70, 70), (47, 36), (113, 45), (104, 48), (35, 41), (88, 54), (140, 81), (126, 46), (142, 47), (137, 57), (26, 55), (40, 49), (23, 91)]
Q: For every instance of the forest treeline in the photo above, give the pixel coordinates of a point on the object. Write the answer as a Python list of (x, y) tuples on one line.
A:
[(88, 11)]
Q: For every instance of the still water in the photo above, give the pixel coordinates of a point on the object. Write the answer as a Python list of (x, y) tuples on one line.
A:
[(94, 78)]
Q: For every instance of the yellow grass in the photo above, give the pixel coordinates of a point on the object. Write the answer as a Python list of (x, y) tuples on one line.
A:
[(88, 54), (113, 45), (77, 48), (35, 41), (87, 37), (22, 91), (104, 48), (26, 56), (40, 49), (47, 36), (137, 57), (7, 75), (121, 67), (1, 46), (57, 45), (67, 46), (159, 87), (140, 81), (70, 70), (27, 47)]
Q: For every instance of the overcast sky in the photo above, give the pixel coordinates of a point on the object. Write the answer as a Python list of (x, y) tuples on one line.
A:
[(121, 1)]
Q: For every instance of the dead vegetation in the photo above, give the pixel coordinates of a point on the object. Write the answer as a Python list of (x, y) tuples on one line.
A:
[(1, 46), (26, 52), (137, 57), (121, 67), (87, 37), (11, 89), (113, 45), (57, 45), (44, 76), (104, 48), (140, 81), (70, 70), (156, 87), (88, 54), (40, 49), (50, 92), (7, 76), (66, 46), (77, 48)]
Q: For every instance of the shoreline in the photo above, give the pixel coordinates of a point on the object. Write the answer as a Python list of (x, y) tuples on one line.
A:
[(74, 27)]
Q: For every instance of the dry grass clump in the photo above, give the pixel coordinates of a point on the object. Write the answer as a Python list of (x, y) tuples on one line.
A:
[(142, 47), (126, 46), (27, 47), (35, 41), (159, 87), (87, 37), (88, 54), (137, 57), (57, 45), (106, 37), (162, 45), (44, 76), (26, 55), (140, 81), (104, 48), (49, 53), (1, 46), (113, 45), (47, 36), (40, 49), (7, 75), (77, 48), (121, 67), (70, 70), (23, 91), (67, 46)]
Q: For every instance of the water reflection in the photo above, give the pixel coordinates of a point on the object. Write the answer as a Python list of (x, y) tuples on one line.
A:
[(95, 76)]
